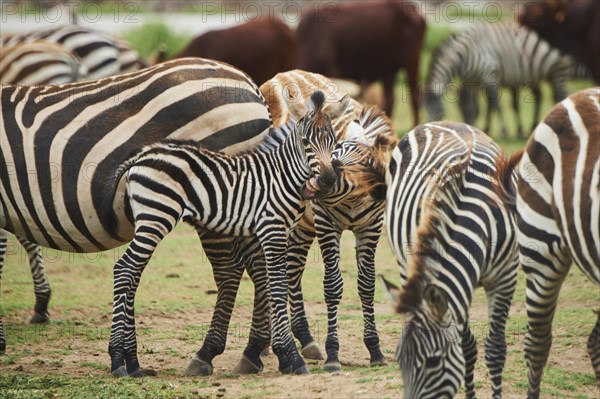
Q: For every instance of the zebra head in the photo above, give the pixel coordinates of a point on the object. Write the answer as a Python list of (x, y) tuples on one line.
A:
[(430, 352), (318, 141)]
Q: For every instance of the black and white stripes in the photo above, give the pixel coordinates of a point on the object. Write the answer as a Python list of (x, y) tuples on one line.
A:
[(491, 56), (70, 138), (450, 233)]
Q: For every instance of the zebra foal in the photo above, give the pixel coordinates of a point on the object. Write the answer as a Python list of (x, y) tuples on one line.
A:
[(257, 194), (450, 233), (558, 203)]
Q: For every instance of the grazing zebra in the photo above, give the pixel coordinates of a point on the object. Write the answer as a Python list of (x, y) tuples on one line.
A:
[(39, 62), (558, 202), (71, 137), (491, 56), (102, 55), (450, 233), (260, 194)]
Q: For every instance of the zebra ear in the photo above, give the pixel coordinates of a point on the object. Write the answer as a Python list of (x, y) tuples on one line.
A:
[(437, 300), (391, 289), (337, 109)]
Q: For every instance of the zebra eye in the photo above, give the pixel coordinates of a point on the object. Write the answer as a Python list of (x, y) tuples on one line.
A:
[(433, 362)]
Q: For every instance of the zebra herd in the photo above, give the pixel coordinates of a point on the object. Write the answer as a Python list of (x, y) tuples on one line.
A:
[(260, 172)]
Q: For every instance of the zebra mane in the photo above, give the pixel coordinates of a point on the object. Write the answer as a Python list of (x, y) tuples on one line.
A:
[(276, 137), (367, 168), (443, 190)]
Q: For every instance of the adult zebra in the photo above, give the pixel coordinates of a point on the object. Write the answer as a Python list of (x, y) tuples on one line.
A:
[(491, 56), (99, 123), (40, 62), (450, 233), (558, 202), (102, 55)]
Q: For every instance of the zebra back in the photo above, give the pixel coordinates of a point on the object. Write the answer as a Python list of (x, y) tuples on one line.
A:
[(287, 92), (73, 137), (39, 62), (102, 55)]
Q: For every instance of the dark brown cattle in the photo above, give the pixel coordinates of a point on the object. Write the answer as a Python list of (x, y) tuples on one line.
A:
[(260, 48), (365, 42), (573, 27)]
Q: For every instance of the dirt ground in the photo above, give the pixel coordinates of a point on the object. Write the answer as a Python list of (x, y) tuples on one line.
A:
[(165, 351)]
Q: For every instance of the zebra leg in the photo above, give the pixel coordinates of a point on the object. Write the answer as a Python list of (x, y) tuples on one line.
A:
[(366, 244), (593, 348), (122, 346), (274, 244), (41, 285), (469, 347), (228, 268), (329, 241), (544, 281), (3, 240), (537, 98), (260, 333), (499, 295), (493, 102), (299, 243), (516, 100)]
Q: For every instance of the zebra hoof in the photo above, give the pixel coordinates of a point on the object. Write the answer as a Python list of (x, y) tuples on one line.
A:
[(120, 372), (39, 319), (265, 352), (136, 374), (2, 349), (378, 362), (198, 367), (302, 371), (332, 366), (245, 366), (312, 351)]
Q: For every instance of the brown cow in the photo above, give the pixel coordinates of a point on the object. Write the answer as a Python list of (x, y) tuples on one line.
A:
[(261, 48), (573, 27), (365, 42)]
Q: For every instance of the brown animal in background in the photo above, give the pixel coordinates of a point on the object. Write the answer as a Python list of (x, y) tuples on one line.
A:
[(365, 42), (573, 27), (261, 48)]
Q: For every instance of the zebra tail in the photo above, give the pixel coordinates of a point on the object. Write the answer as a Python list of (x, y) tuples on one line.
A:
[(370, 177), (505, 178)]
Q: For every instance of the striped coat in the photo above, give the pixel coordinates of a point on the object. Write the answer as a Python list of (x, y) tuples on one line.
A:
[(39, 62), (71, 137), (558, 208)]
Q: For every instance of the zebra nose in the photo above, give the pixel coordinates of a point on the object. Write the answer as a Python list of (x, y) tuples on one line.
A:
[(327, 178)]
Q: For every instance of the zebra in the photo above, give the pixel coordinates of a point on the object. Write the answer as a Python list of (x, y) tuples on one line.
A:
[(102, 55), (557, 202), (39, 62), (450, 233), (491, 56), (73, 135), (256, 194)]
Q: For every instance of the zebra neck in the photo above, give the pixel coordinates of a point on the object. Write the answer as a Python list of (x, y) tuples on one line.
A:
[(289, 161)]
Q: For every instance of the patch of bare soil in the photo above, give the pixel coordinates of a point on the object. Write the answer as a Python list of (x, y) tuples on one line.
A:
[(166, 344)]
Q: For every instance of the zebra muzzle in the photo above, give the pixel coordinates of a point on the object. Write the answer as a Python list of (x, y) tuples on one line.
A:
[(310, 189)]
